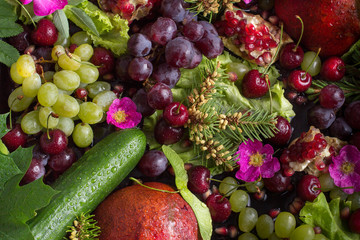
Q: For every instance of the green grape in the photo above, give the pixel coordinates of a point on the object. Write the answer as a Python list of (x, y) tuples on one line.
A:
[(326, 182), (61, 91), (17, 101), (355, 200), (15, 76), (49, 75), (45, 118), (66, 125), (315, 67), (338, 193), (82, 85), (62, 40), (80, 37), (97, 87), (30, 123), (253, 187), (303, 232), (284, 224), (247, 236), (264, 226), (83, 135), (228, 186), (66, 106), (273, 237), (104, 99), (84, 51), (320, 237), (247, 219), (48, 94), (239, 200), (88, 73), (240, 70), (31, 85), (67, 63), (57, 51), (67, 80), (90, 113), (25, 66)]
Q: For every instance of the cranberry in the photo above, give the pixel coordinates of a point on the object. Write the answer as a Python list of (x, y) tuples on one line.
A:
[(176, 114), (308, 188), (299, 80), (219, 207), (199, 179), (333, 69), (45, 33), (254, 84), (14, 138), (354, 221), (104, 59), (55, 144), (278, 183), (282, 136)]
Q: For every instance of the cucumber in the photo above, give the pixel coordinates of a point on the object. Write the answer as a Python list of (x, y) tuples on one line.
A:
[(88, 182)]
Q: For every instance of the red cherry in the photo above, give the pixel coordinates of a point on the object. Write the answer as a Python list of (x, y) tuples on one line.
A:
[(308, 188), (278, 183), (254, 84), (290, 57), (166, 134), (282, 137), (45, 33), (299, 80), (219, 207), (354, 221), (176, 114), (62, 161), (333, 69), (56, 144), (104, 59), (199, 179), (14, 138)]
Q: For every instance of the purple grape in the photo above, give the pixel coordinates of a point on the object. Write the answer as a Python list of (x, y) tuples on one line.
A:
[(62, 161), (139, 45), (140, 69), (352, 114), (44, 52), (190, 16), (340, 129), (40, 155), (210, 45), (320, 117), (153, 163), (22, 40), (167, 74), (179, 52), (196, 60), (146, 30), (193, 31), (159, 96), (166, 134), (209, 28), (141, 101), (35, 171), (163, 30), (121, 67), (173, 9), (332, 97)]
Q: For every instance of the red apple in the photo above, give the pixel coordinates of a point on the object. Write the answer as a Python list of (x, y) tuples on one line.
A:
[(330, 25)]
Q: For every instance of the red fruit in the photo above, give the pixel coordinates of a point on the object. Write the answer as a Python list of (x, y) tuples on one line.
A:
[(219, 207), (166, 134), (290, 57), (299, 80), (278, 183), (35, 171), (176, 114), (104, 59), (14, 138), (354, 221), (330, 25), (308, 188), (333, 69), (254, 84), (56, 144), (282, 137), (62, 161), (199, 179), (45, 33), (352, 115)]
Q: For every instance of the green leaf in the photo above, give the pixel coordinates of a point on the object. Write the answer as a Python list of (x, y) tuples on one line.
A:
[(8, 54), (200, 209), (61, 22), (3, 127), (9, 28), (8, 169), (7, 11), (75, 2), (81, 19)]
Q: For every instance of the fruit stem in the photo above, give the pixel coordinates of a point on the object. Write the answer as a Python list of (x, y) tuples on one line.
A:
[(47, 126), (27, 12), (317, 54), (270, 94), (301, 34), (178, 109), (156, 189)]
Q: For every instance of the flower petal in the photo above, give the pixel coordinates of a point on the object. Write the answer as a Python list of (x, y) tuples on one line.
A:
[(250, 175), (270, 167), (127, 105), (131, 121), (47, 7), (25, 1)]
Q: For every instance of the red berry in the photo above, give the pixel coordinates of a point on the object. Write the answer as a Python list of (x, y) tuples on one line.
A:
[(308, 188), (290, 57), (282, 137), (176, 114), (199, 179), (14, 138), (104, 59), (331, 97), (254, 84), (299, 80), (45, 33), (333, 69), (55, 144), (219, 207)]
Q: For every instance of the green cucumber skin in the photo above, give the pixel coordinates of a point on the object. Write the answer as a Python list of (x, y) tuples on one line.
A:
[(88, 182)]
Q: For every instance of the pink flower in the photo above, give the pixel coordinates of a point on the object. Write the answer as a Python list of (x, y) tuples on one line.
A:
[(247, 1), (345, 169), (122, 113), (46, 7), (256, 160)]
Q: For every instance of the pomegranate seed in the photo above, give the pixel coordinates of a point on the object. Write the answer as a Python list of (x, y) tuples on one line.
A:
[(229, 15), (250, 39), (264, 29), (320, 165), (267, 57), (288, 171), (229, 31), (242, 23), (233, 22), (232, 231), (250, 47), (259, 34), (284, 158), (260, 61), (272, 44), (250, 29), (127, 8), (238, 29), (239, 14), (274, 212), (222, 231)]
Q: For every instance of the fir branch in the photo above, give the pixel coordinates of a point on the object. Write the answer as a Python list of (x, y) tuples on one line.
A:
[(84, 228)]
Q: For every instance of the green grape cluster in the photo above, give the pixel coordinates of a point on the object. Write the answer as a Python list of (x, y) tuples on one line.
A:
[(57, 107)]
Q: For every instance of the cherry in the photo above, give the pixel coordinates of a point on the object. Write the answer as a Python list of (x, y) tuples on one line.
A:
[(45, 33), (254, 84), (299, 80), (72, 47), (153, 163), (104, 59), (55, 144), (35, 171), (166, 134), (308, 188), (176, 114), (291, 56), (278, 183), (282, 137), (354, 221), (333, 69), (219, 207), (331, 96), (62, 161), (14, 138), (199, 179)]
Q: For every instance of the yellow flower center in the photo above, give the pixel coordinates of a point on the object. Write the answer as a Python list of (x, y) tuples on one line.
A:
[(256, 160), (347, 167), (120, 116)]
